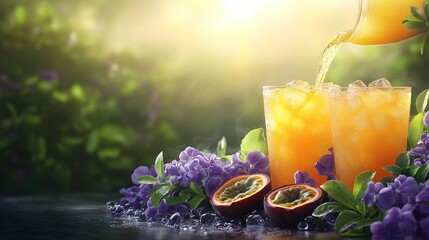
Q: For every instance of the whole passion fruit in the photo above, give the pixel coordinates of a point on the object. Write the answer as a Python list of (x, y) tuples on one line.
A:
[(286, 206), (240, 195)]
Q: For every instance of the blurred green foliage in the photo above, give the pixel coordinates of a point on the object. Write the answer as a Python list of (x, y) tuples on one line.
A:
[(72, 117)]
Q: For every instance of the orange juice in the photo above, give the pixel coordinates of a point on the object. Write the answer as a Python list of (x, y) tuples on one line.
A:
[(298, 131), (369, 129), (380, 21)]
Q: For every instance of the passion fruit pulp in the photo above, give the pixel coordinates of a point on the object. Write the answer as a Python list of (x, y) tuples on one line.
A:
[(288, 205), (240, 195)]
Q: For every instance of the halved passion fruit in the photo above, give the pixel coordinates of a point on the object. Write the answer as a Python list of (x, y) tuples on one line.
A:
[(287, 205), (240, 195)]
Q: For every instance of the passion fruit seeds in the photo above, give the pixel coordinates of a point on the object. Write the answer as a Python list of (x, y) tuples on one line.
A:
[(240, 195), (288, 205)]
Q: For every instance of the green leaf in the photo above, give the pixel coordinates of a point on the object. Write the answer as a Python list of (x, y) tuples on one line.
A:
[(422, 101), (153, 191), (416, 25), (254, 140), (185, 195), (195, 201), (403, 160), (412, 170), (221, 147), (393, 169), (327, 208), (415, 129), (424, 43), (60, 96), (422, 173), (338, 191), (366, 222), (418, 13), (156, 199), (362, 209), (147, 179), (159, 165), (426, 9), (163, 190), (346, 219), (361, 182), (196, 189), (173, 200)]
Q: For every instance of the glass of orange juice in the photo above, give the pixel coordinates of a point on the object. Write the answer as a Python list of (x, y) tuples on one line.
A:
[(369, 128), (380, 21), (298, 125)]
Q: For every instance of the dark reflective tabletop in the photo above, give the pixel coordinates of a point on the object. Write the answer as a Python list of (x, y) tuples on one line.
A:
[(85, 217)]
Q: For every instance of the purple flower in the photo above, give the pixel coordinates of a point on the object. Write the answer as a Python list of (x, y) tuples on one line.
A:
[(406, 189), (163, 209), (303, 177), (326, 165), (142, 171), (132, 196), (210, 184), (237, 167), (258, 162), (383, 197), (420, 152), (397, 224)]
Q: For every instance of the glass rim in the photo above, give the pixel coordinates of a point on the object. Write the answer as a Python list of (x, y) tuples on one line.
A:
[(367, 88)]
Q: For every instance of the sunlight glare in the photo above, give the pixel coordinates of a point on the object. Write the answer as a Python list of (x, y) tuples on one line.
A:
[(241, 11)]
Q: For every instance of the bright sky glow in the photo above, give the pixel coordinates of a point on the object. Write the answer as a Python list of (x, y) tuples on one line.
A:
[(242, 11)]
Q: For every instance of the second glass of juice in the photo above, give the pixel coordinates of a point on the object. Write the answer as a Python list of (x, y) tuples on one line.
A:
[(298, 126), (369, 129)]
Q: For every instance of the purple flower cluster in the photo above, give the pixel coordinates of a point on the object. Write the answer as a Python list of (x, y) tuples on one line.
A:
[(194, 166), (420, 153), (406, 204)]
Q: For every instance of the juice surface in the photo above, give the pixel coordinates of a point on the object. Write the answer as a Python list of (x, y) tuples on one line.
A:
[(298, 131), (369, 130), (381, 21)]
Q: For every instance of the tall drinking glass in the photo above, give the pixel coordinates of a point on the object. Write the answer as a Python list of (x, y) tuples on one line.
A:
[(298, 130), (369, 129)]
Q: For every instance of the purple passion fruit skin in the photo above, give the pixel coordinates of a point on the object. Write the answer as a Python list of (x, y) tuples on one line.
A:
[(240, 195), (286, 206)]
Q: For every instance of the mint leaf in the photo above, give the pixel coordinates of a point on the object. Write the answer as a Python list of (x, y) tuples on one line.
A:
[(424, 43), (173, 200), (418, 13), (196, 189), (415, 129), (340, 193), (221, 147), (185, 195), (422, 101), (403, 160), (196, 201), (362, 209), (328, 207), (345, 220), (412, 170), (366, 222), (156, 199), (393, 169), (147, 179), (422, 173), (361, 182), (159, 165), (254, 140)]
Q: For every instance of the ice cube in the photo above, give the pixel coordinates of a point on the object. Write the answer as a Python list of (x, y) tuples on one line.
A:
[(382, 82), (357, 84), (299, 84)]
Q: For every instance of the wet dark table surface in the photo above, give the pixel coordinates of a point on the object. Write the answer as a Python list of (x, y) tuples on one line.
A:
[(85, 217)]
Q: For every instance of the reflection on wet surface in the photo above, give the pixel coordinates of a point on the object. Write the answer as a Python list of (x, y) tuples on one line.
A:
[(85, 217)]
